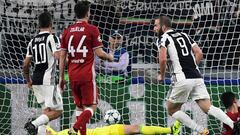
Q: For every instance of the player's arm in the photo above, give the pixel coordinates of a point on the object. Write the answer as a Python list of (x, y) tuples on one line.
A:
[(62, 60), (162, 45), (102, 54), (120, 65), (162, 62), (97, 45), (26, 65), (198, 53)]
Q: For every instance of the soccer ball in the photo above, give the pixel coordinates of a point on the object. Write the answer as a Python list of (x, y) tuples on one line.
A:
[(112, 117)]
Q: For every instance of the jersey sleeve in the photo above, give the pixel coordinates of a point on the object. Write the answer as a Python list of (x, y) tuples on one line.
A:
[(51, 43), (96, 38), (63, 45), (163, 42), (29, 49), (57, 42)]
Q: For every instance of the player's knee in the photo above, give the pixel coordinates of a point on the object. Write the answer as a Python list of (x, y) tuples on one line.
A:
[(94, 107), (172, 108), (58, 113), (46, 110), (204, 104), (171, 112)]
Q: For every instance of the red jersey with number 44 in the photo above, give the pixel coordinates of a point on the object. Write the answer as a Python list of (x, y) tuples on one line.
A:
[(80, 40)]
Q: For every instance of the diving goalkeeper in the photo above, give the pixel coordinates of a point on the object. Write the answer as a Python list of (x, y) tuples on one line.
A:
[(121, 129)]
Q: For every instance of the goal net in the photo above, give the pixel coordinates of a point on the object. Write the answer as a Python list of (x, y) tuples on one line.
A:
[(137, 95)]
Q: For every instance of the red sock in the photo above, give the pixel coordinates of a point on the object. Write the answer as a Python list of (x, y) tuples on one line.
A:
[(83, 119)]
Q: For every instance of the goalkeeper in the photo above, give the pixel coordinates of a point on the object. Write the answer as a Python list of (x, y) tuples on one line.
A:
[(121, 129)]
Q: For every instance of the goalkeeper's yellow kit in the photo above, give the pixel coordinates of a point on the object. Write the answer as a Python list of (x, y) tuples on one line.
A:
[(116, 129)]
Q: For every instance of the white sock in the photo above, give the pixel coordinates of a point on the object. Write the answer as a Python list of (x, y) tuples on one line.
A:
[(219, 114), (187, 121), (42, 130), (41, 120), (78, 113)]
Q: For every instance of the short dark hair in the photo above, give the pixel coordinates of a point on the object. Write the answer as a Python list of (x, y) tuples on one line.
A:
[(165, 20), (228, 98), (81, 9), (45, 20)]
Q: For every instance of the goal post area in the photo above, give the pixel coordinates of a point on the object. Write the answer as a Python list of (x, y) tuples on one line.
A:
[(139, 98), (140, 103)]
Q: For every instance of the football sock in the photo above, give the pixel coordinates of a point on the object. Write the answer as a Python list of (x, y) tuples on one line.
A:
[(151, 130), (41, 120), (42, 130), (219, 114), (78, 113), (83, 120), (187, 121)]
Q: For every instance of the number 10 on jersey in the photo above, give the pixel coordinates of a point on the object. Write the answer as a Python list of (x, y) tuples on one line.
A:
[(71, 49)]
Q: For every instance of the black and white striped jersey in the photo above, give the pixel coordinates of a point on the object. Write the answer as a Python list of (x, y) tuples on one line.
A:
[(42, 48), (182, 62)]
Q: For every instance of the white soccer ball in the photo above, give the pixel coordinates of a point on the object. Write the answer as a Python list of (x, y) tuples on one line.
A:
[(112, 117)]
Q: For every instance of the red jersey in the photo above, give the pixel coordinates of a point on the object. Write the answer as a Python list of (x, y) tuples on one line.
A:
[(80, 40), (235, 117)]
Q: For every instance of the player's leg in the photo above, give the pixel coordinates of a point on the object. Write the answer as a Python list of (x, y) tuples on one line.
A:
[(179, 94), (53, 104), (88, 98), (152, 130), (79, 111), (201, 96), (51, 101), (32, 126)]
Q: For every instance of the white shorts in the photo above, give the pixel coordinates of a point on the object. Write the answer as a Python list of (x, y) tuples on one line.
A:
[(188, 88), (48, 96)]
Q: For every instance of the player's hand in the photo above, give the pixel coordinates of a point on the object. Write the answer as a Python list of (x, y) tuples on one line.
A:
[(110, 59), (29, 84), (62, 84)]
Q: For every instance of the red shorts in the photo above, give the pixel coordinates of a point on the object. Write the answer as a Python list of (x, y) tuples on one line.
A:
[(84, 93)]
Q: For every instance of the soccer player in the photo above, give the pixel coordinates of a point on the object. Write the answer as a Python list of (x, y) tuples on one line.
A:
[(184, 57), (43, 51), (81, 41), (230, 102), (121, 129)]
